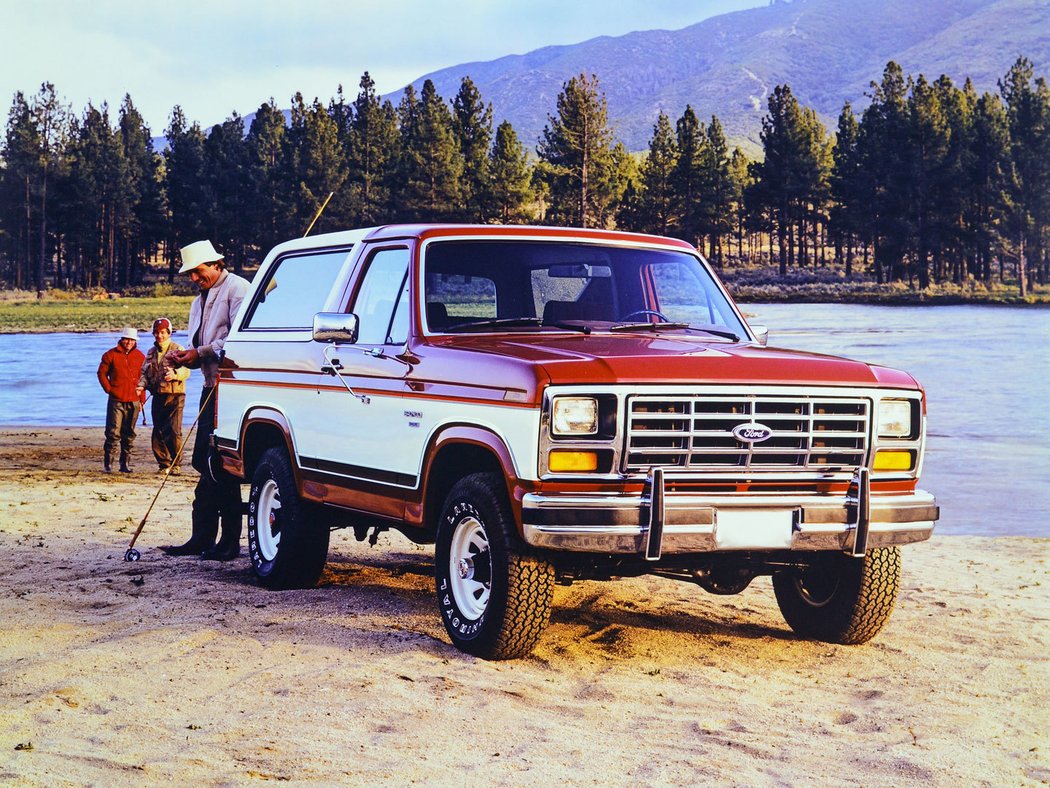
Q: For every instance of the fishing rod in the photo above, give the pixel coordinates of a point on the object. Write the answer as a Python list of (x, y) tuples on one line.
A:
[(318, 214), (132, 554)]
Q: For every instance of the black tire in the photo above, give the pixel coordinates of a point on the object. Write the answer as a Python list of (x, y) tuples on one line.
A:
[(287, 541), (493, 593), (840, 599)]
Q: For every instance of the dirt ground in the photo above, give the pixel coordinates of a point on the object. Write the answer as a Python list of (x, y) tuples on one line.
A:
[(181, 671)]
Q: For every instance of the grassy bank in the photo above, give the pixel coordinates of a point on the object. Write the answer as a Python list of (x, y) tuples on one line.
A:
[(830, 286), (31, 315)]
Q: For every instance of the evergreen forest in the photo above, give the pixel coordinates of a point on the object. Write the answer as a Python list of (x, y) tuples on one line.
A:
[(930, 183)]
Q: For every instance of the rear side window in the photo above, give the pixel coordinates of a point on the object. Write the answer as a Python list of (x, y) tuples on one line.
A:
[(296, 288)]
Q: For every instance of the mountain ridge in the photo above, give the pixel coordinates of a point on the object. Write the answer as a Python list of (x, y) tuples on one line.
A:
[(828, 51)]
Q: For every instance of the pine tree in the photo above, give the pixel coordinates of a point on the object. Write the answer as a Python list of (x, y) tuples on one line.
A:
[(342, 209), (226, 189), (472, 128), (509, 176), (34, 152), (718, 183), (99, 177), (432, 165), (267, 205), (373, 155), (928, 149), (953, 244), (689, 184), (52, 122), (577, 160), (740, 177), (657, 203), (145, 227), (1028, 183), (402, 188), (986, 178), (20, 179), (185, 177), (793, 172), (884, 152), (316, 164), (848, 207)]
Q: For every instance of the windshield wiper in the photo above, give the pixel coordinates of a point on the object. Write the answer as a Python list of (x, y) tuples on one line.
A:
[(646, 326), (516, 322), (569, 327), (498, 322), (718, 332)]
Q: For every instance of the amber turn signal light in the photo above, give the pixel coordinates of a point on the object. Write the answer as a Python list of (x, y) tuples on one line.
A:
[(893, 461), (563, 461)]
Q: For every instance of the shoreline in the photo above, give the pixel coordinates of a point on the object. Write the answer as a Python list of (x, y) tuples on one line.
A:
[(41, 317), (185, 671)]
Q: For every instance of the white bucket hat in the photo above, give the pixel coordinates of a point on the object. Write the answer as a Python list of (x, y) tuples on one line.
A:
[(197, 253), (129, 333)]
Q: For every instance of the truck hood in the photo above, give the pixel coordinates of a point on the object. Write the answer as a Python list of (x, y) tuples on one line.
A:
[(670, 358)]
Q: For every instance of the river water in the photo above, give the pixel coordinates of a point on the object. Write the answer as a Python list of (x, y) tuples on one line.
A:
[(986, 371)]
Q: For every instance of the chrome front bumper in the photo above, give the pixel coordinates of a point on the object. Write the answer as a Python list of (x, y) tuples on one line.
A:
[(655, 522)]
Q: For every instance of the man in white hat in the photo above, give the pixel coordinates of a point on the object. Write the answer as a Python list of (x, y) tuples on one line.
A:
[(118, 374), (217, 498)]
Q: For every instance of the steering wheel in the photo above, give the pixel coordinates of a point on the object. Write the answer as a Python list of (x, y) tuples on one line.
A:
[(645, 313)]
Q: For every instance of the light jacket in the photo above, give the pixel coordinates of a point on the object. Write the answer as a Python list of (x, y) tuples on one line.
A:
[(153, 371), (118, 373), (210, 321)]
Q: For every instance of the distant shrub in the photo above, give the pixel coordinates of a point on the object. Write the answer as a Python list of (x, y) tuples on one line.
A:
[(73, 294)]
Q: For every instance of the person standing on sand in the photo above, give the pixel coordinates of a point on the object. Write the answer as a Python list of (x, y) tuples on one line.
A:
[(167, 385), (118, 374), (217, 497)]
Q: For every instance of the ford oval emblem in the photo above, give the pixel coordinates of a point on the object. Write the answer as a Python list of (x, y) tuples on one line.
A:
[(752, 432)]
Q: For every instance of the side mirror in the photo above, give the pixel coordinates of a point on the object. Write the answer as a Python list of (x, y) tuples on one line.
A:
[(335, 327), (761, 334)]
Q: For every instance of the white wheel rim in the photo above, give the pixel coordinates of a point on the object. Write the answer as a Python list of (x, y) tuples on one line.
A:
[(469, 568), (268, 516)]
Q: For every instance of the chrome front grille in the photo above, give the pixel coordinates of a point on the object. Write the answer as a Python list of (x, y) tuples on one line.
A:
[(696, 432)]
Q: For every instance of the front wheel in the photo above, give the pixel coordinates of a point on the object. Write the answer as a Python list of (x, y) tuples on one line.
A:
[(494, 595), (840, 599), (287, 547)]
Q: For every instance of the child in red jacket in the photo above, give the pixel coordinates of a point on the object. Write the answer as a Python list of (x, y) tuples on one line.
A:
[(118, 373)]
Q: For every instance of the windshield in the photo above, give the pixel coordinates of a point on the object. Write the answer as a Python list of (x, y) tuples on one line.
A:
[(529, 285)]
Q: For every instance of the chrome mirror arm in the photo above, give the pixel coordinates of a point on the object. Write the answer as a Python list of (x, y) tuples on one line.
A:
[(332, 367)]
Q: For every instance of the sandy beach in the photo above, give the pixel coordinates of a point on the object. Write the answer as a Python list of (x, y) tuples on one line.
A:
[(181, 671)]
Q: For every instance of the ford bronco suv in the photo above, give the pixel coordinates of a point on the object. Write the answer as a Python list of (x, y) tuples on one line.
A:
[(551, 404)]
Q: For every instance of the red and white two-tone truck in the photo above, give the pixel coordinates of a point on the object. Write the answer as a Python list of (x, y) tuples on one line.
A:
[(549, 404)]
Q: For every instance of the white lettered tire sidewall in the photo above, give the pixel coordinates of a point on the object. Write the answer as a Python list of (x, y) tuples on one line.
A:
[(287, 537), (494, 593)]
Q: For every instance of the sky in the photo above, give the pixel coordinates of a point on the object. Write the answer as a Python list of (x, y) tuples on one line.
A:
[(216, 57)]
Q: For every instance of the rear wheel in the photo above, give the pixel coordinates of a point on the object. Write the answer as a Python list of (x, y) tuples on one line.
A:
[(494, 594), (840, 599), (287, 542)]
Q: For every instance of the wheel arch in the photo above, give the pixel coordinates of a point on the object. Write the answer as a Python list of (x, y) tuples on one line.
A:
[(454, 453), (262, 429)]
